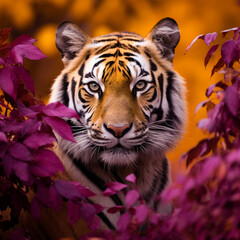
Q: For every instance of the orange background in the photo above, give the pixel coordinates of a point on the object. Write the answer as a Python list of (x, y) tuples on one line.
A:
[(40, 18)]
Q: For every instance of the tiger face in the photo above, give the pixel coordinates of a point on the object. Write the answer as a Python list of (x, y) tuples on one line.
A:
[(129, 99)]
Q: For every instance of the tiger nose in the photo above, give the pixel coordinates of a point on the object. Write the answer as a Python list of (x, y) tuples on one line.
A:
[(118, 130)]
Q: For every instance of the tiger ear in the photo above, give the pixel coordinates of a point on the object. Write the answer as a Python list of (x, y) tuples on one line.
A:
[(70, 40), (165, 35)]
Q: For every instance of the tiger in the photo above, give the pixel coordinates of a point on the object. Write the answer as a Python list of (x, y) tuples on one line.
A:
[(131, 107)]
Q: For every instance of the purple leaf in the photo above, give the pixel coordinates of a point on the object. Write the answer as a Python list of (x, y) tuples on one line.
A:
[(8, 162), (21, 170), (141, 213), (3, 149), (20, 151), (68, 190), (205, 123), (60, 126), (116, 186), (39, 139), (8, 81), (224, 32), (27, 51), (232, 100), (131, 197), (201, 104), (27, 111), (196, 152), (24, 39), (194, 40), (31, 126), (36, 207), (123, 222), (209, 167), (25, 77), (115, 209), (94, 224), (46, 163), (229, 73), (109, 192), (131, 178), (22, 47), (3, 137), (98, 208), (210, 37), (57, 109), (210, 90), (87, 211), (210, 53), (229, 52), (55, 198), (18, 235), (171, 194), (155, 218), (73, 212), (217, 66), (86, 193)]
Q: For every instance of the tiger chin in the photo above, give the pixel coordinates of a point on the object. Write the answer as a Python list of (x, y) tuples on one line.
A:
[(131, 107)]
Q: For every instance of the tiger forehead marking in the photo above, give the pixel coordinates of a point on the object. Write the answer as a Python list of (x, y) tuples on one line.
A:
[(131, 107), (116, 68)]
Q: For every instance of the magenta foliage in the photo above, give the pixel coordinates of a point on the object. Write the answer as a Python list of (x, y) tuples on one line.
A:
[(205, 201), (26, 135)]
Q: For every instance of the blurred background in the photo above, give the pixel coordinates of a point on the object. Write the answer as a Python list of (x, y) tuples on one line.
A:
[(40, 18)]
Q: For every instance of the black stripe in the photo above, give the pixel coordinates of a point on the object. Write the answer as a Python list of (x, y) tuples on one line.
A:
[(80, 95), (147, 53), (89, 75), (100, 183), (96, 64), (159, 110), (101, 50), (73, 93), (105, 40), (153, 96), (80, 71), (133, 48), (171, 116), (107, 55), (164, 177), (126, 71), (145, 115), (148, 196), (106, 220), (128, 54), (130, 59), (87, 56), (109, 64), (143, 73), (160, 82), (65, 84), (132, 39), (153, 78), (159, 180), (73, 127), (153, 65), (89, 174)]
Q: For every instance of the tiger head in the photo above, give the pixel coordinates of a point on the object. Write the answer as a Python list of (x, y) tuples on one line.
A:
[(129, 99)]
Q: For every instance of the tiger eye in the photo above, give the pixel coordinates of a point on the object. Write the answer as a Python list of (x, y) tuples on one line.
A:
[(93, 86), (140, 85)]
